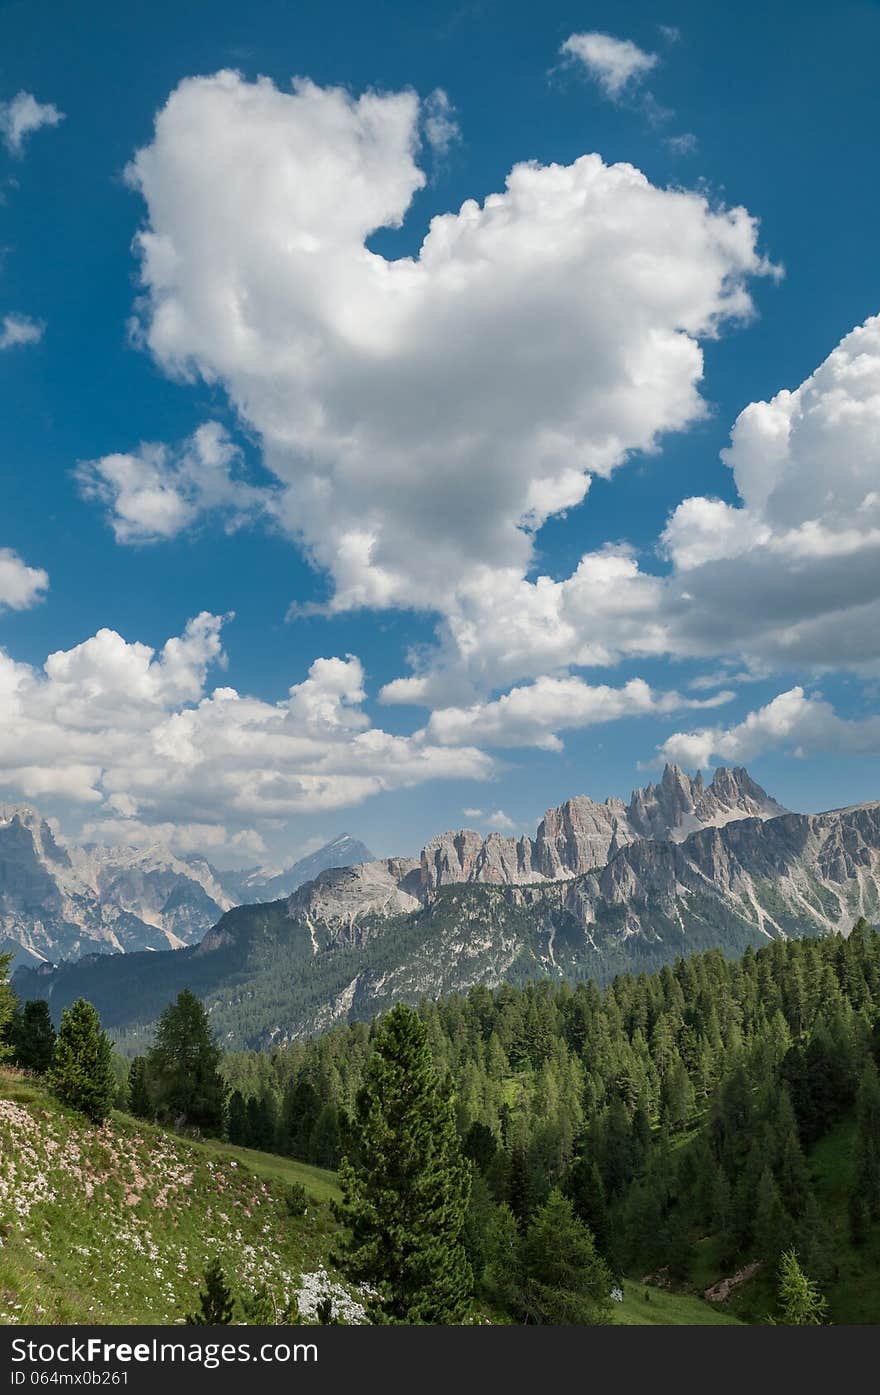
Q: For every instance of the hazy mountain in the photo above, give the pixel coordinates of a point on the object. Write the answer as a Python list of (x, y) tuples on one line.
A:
[(261, 884), (63, 901)]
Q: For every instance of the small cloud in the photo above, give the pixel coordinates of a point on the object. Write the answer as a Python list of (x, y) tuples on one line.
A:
[(685, 144), (670, 32), (615, 64), (21, 586), (497, 820), (441, 128), (18, 329), (22, 116)]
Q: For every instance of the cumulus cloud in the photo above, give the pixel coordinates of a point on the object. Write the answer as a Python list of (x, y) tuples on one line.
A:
[(155, 493), (426, 415), (788, 575), (21, 586), (532, 715), (139, 736), (805, 725), (22, 116), (16, 330), (615, 64)]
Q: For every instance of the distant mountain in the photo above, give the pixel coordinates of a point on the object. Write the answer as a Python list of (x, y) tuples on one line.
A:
[(64, 901), (258, 884), (353, 941)]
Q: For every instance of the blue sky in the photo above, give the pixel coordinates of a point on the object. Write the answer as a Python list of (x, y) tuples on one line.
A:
[(770, 108)]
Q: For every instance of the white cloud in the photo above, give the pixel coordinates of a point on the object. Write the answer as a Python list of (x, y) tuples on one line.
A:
[(497, 820), (184, 839), (805, 724), (21, 586), (154, 493), (615, 64), (138, 736), (19, 329), (22, 116), (532, 715), (788, 575), (441, 128), (424, 415)]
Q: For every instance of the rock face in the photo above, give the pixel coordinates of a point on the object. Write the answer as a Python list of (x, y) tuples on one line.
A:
[(678, 806), (344, 900), (573, 839)]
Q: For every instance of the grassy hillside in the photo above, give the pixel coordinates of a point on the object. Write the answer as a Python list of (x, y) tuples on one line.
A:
[(115, 1225), (646, 1306)]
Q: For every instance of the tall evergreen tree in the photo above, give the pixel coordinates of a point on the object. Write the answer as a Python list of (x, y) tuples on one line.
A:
[(81, 1073), (236, 1119), (405, 1184), (34, 1036), (140, 1100), (183, 1063)]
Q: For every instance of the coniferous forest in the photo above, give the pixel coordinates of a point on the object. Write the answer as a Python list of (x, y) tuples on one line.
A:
[(710, 1128)]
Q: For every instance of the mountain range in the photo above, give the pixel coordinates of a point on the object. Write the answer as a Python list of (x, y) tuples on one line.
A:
[(63, 900), (601, 889)]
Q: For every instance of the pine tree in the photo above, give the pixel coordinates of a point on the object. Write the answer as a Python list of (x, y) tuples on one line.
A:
[(216, 1304), (81, 1073), (139, 1102), (34, 1037), (801, 1303), (564, 1279), (184, 1064), (405, 1184)]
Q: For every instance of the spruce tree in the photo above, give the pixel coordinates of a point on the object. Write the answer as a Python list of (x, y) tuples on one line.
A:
[(405, 1184), (81, 1073), (139, 1101), (183, 1063), (502, 1278), (772, 1223), (236, 1119), (34, 1036), (564, 1280), (801, 1303)]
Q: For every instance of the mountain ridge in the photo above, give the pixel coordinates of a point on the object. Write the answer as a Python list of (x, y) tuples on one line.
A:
[(276, 972)]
